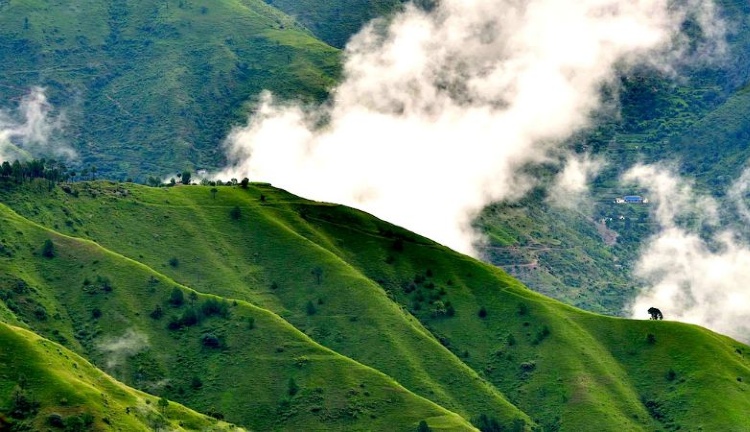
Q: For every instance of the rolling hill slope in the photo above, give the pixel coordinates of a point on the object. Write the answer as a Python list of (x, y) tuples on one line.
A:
[(46, 385), (347, 312)]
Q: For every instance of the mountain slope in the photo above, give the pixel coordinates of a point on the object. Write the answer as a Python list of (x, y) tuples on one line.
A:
[(47, 385), (102, 305), (449, 329), (336, 21), (152, 87)]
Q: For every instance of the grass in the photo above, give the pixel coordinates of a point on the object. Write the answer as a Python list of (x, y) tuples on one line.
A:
[(63, 384), (378, 349)]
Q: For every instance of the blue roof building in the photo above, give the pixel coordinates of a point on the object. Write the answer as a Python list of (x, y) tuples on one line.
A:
[(633, 199)]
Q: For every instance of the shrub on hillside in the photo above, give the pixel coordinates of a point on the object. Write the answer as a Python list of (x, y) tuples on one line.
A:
[(48, 249), (177, 297), (212, 307), (292, 387), (157, 313), (482, 312), (522, 309), (310, 308), (196, 383)]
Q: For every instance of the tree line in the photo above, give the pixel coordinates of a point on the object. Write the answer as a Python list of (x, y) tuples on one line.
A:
[(48, 169)]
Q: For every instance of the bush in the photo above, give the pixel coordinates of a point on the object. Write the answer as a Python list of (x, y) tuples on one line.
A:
[(157, 313), (104, 283), (55, 420), (22, 406), (235, 213), (292, 387), (177, 298), (213, 307), (482, 312), (310, 308), (48, 249), (174, 323), (189, 318), (196, 383), (449, 309), (541, 335), (174, 262), (40, 313), (671, 375), (522, 309), (423, 427), (650, 339), (96, 313), (486, 423)]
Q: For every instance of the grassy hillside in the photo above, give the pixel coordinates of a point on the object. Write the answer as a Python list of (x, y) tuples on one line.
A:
[(153, 87), (347, 312), (102, 305), (45, 386)]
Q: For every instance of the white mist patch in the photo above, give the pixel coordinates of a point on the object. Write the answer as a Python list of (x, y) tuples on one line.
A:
[(570, 189), (29, 131), (119, 349), (440, 111), (691, 278)]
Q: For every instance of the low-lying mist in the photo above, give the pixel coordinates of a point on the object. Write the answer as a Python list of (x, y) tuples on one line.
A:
[(32, 130)]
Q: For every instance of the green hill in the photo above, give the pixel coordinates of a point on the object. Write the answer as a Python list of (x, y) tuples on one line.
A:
[(152, 87), (313, 314), (44, 385)]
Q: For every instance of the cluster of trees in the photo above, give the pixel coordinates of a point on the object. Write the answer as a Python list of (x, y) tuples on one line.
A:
[(194, 314), (51, 170), (57, 172), (186, 178)]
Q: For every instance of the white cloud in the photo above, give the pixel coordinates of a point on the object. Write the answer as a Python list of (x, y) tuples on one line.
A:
[(439, 112), (692, 274), (570, 189), (31, 130)]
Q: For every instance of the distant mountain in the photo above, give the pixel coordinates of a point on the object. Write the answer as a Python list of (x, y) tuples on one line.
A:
[(280, 313), (696, 119), (149, 88), (335, 21)]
